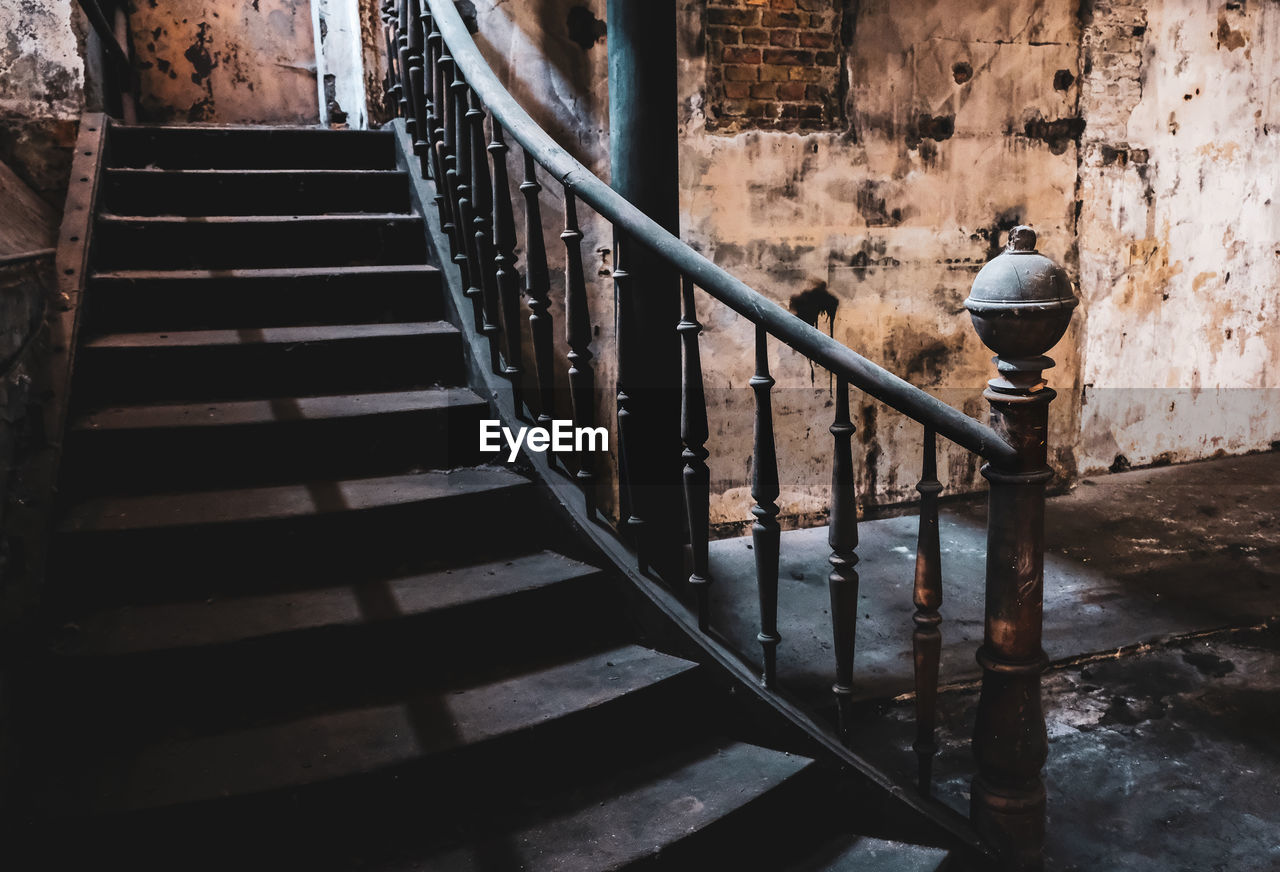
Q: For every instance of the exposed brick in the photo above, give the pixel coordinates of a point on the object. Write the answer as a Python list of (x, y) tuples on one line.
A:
[(737, 90), (784, 38), (815, 5), (792, 90), (765, 90), (826, 59), (724, 35), (735, 54), (770, 73), (787, 56), (762, 109), (816, 39), (783, 4), (741, 73), (817, 93), (804, 74), (771, 18), (739, 17), (755, 36)]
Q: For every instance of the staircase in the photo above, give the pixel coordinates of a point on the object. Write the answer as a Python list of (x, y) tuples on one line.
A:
[(298, 623)]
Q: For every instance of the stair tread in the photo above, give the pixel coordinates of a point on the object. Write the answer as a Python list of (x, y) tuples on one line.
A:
[(289, 272), (637, 821), (250, 171), (860, 853), (268, 335), (138, 629), (279, 502), (276, 410), (336, 218), (362, 741)]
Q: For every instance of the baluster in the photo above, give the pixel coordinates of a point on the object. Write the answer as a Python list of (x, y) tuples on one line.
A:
[(417, 85), (482, 208), (504, 262), (441, 135), (578, 333), (927, 638), (630, 471), (537, 284), (466, 258), (766, 535), (402, 54), (694, 433), (390, 16), (842, 536)]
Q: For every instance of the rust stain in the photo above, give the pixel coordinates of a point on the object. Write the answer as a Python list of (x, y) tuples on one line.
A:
[(1198, 282), (1227, 37)]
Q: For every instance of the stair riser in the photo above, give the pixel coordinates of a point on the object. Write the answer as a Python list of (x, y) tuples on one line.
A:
[(279, 148), (124, 244), (192, 458), (184, 563), (230, 193), (218, 688), (220, 303), (124, 375)]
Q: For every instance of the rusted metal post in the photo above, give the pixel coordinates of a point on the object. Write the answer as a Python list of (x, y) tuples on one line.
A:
[(1021, 304)]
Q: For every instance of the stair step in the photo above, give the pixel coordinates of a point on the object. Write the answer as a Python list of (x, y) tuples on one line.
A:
[(865, 854), (149, 447), (366, 741), (151, 191), (134, 300), (135, 630), (210, 147), (634, 821), (246, 241), (265, 362), (282, 502)]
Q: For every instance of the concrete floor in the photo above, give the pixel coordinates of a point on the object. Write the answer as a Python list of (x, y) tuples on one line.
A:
[(1165, 754)]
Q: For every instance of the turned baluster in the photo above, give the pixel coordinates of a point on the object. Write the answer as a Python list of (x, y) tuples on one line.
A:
[(504, 262), (402, 55), (927, 638), (766, 534), (630, 469), (435, 122), (482, 209), (467, 259), (842, 536), (537, 284), (417, 85), (1021, 304), (390, 15), (578, 333), (444, 140), (694, 433)]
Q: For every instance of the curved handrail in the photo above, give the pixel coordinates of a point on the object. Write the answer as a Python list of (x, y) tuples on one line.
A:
[(815, 345)]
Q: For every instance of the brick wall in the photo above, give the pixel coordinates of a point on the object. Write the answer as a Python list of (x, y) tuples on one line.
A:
[(773, 64)]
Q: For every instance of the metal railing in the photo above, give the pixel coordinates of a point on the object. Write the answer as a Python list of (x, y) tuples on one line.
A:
[(460, 118)]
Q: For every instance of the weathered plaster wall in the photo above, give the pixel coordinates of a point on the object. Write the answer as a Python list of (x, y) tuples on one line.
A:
[(1179, 237), (961, 126), (41, 91), (1138, 138), (226, 61)]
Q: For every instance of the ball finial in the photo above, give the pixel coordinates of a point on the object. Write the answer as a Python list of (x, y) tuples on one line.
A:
[(1021, 238)]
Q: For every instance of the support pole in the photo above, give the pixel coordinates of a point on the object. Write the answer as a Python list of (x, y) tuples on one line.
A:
[(645, 170)]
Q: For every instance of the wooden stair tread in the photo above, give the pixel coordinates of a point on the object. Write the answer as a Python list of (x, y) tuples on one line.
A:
[(134, 629), (364, 741), (250, 171), (159, 511), (291, 272), (339, 218), (862, 853), (278, 410), (268, 335), (641, 820)]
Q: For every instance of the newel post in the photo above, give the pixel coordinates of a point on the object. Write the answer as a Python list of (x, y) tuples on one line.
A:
[(1021, 304)]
